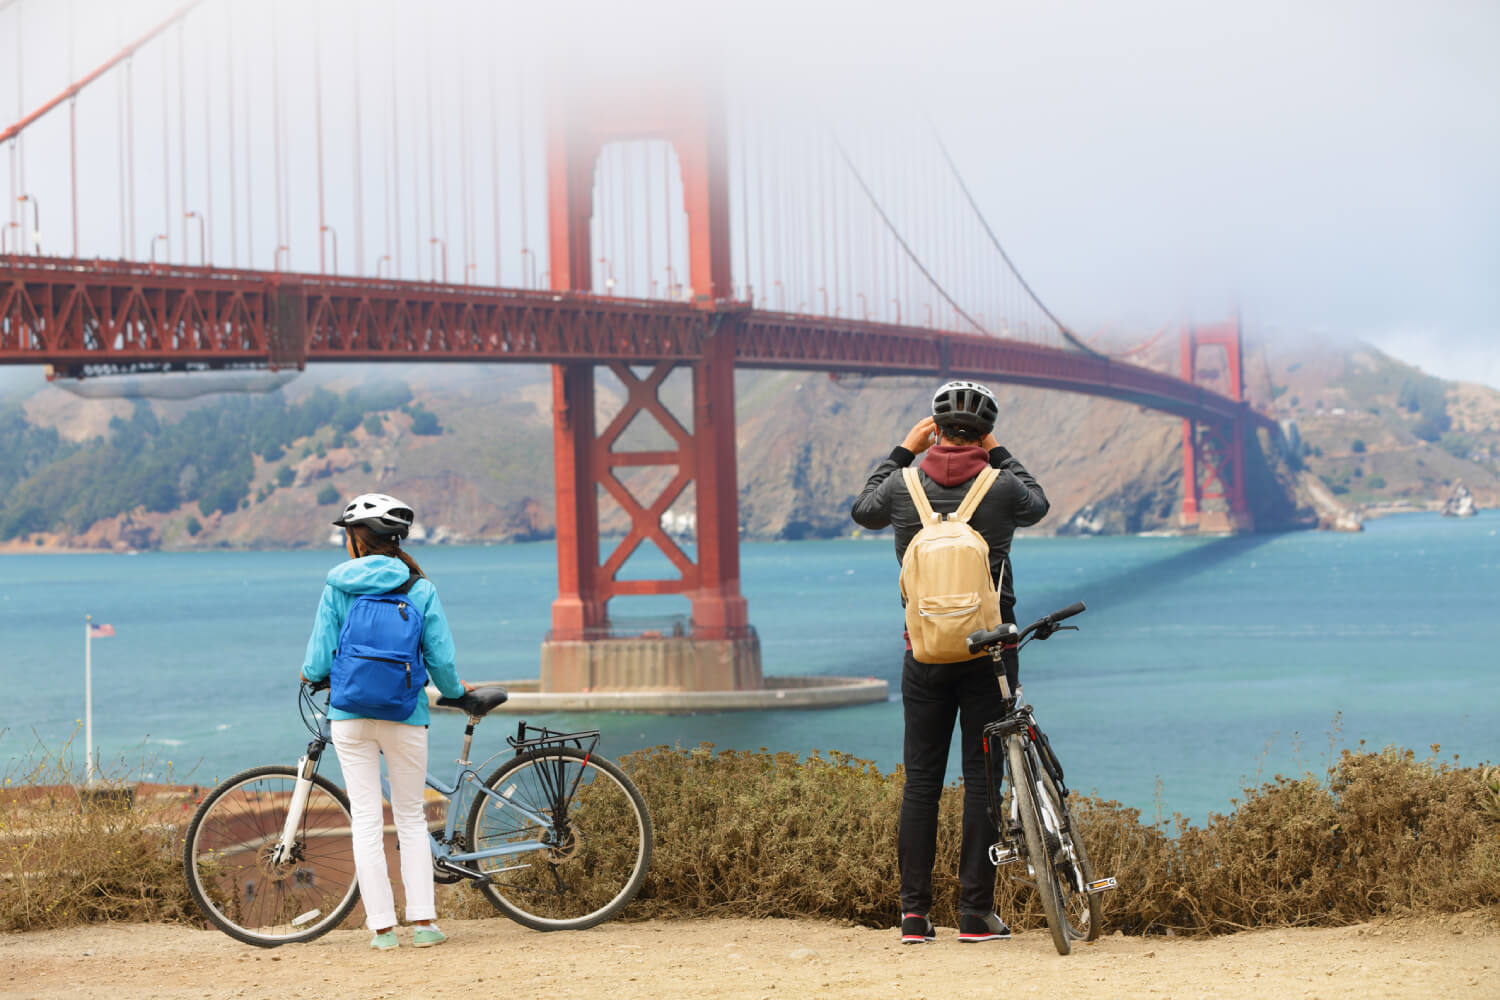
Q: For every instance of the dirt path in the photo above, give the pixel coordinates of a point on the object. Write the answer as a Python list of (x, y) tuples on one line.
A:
[(1449, 957)]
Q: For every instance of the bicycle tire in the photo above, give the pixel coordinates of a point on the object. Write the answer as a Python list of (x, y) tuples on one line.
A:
[(224, 857), (1083, 911), (1039, 858), (605, 835)]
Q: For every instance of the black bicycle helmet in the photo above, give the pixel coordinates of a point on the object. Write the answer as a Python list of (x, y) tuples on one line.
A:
[(384, 515), (965, 406)]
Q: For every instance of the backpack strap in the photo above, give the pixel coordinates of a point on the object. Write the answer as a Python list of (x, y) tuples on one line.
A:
[(982, 484), (918, 496), (405, 588)]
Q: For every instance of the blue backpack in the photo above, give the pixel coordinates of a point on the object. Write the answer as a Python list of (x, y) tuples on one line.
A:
[(378, 669)]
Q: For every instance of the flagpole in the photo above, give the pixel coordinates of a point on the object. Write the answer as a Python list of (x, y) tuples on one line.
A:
[(88, 698)]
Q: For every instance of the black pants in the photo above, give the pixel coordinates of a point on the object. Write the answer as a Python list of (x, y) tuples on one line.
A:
[(932, 695)]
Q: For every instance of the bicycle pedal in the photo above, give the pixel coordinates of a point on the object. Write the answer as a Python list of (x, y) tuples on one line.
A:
[(1002, 855), (1101, 885)]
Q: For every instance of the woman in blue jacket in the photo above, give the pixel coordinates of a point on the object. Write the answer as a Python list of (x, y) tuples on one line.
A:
[(374, 525)]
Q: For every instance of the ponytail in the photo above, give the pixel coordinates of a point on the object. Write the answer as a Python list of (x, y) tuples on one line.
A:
[(368, 543)]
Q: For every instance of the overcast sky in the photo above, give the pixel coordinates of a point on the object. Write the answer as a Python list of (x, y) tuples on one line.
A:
[(1326, 168)]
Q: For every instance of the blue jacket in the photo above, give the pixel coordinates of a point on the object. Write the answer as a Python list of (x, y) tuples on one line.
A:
[(381, 575)]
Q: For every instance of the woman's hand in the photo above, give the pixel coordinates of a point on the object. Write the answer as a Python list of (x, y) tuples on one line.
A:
[(988, 442), (467, 686), (921, 436)]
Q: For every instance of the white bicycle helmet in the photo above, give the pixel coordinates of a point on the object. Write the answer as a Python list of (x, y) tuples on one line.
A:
[(966, 406), (382, 514)]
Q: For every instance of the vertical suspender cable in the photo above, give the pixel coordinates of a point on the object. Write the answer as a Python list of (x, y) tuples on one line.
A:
[(359, 166), (276, 170), (249, 173), (431, 169), (627, 229), (130, 146), (649, 287), (318, 128), (120, 132), (666, 191), (495, 169), (463, 162), (72, 136), (395, 143), (760, 206), (521, 170), (207, 150), (446, 131), (18, 145), (744, 189), (166, 158), (181, 137), (21, 113), (234, 224)]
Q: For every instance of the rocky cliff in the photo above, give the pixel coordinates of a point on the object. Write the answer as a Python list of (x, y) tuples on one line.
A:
[(805, 445)]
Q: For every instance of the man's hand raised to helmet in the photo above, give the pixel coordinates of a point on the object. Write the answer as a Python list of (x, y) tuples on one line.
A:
[(920, 436)]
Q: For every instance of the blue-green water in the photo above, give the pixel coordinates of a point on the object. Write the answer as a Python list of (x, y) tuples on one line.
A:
[(1202, 663)]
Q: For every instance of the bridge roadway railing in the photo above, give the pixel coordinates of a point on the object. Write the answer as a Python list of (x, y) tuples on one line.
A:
[(86, 317)]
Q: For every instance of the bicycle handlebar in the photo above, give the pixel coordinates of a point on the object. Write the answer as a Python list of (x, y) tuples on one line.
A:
[(1042, 628)]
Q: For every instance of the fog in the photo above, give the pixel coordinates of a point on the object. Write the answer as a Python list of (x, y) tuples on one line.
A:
[(1326, 169)]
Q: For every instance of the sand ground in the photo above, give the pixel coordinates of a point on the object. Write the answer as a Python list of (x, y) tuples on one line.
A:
[(1448, 957)]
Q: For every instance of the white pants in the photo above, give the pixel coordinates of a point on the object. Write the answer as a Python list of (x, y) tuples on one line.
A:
[(359, 743)]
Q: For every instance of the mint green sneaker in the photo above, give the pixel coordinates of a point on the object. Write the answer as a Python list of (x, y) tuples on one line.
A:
[(384, 942), (427, 937)]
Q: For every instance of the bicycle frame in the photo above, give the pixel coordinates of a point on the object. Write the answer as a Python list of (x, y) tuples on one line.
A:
[(465, 774)]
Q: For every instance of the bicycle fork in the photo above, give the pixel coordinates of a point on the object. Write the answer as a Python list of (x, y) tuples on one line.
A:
[(286, 846)]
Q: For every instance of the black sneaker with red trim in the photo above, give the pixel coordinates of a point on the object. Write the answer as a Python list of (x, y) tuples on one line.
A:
[(975, 927), (916, 929)]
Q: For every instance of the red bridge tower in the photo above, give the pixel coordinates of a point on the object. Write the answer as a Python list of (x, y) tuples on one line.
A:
[(1213, 454), (719, 651)]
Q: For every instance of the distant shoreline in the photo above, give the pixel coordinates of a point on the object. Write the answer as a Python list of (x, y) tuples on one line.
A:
[(55, 546)]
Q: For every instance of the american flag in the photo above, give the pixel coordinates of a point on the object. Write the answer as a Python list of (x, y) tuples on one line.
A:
[(101, 631)]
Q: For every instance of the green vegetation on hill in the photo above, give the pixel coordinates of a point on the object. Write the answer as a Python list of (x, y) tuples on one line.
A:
[(49, 484)]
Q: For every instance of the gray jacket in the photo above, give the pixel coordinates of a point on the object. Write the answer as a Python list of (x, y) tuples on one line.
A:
[(1014, 501)]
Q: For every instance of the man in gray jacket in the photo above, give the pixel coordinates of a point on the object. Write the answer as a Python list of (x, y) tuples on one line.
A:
[(959, 443)]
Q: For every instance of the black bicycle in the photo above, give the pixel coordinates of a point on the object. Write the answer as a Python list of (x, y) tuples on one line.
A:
[(1035, 825)]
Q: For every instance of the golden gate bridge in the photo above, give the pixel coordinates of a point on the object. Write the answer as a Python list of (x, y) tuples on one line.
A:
[(637, 223)]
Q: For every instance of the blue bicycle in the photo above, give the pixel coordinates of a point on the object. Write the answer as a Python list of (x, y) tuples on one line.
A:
[(556, 838)]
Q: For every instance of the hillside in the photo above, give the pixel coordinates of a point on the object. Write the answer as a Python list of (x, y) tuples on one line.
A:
[(470, 448)]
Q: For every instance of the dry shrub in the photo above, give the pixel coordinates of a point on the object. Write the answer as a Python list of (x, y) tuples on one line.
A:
[(71, 855), (758, 834), (761, 834)]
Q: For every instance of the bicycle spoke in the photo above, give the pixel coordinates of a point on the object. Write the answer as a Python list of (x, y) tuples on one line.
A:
[(596, 839), (242, 887)]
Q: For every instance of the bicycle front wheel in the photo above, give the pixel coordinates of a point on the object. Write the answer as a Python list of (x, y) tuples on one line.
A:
[(1080, 908), (595, 829), (228, 859), (1038, 855)]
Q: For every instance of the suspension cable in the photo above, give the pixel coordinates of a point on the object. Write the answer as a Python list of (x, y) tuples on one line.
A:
[(1062, 328), (874, 203)]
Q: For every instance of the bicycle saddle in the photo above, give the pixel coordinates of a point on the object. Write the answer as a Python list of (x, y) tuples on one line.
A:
[(479, 701)]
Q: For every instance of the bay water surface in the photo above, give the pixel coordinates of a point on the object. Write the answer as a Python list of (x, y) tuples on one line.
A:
[(1203, 664)]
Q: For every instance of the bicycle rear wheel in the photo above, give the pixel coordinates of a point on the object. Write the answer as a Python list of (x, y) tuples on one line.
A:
[(598, 836), (1038, 856), (1082, 910), (227, 859)]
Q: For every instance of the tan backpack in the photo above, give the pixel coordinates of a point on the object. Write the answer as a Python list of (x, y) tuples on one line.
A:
[(945, 576)]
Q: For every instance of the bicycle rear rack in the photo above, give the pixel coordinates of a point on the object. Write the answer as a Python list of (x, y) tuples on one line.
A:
[(545, 737)]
